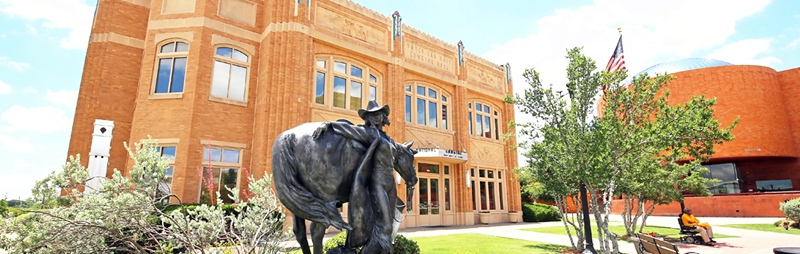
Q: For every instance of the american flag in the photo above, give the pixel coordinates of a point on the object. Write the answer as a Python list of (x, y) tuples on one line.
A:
[(617, 60)]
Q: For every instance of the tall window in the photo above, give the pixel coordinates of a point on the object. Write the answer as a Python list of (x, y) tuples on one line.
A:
[(486, 120), (225, 165), (728, 175), (167, 153), (427, 105), (488, 194), (343, 84), (171, 67), (230, 74)]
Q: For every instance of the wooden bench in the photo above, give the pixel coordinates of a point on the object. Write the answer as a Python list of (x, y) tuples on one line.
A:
[(651, 245)]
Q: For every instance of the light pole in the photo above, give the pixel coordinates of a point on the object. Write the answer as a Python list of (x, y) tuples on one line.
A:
[(587, 226)]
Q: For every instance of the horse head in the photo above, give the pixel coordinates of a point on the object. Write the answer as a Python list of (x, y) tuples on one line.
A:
[(404, 163)]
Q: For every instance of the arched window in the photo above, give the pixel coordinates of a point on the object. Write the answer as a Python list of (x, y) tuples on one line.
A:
[(230, 74), (427, 105), (343, 84), (484, 120), (171, 67)]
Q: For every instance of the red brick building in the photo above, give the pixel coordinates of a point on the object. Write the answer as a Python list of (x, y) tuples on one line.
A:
[(761, 166), (220, 79)]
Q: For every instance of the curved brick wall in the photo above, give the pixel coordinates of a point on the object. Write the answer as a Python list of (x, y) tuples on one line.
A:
[(752, 93)]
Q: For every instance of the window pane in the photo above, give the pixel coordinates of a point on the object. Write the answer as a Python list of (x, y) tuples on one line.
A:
[(444, 99), (168, 48), (486, 109), (469, 105), (496, 130), (434, 196), (355, 71), (355, 95), (774, 185), (340, 67), (162, 81), (444, 117), (483, 196), (408, 88), (499, 175), (408, 108), (432, 93), (238, 81), (482, 173), (228, 181), (231, 156), (182, 47), (428, 168), (421, 90), (432, 116), (487, 127), (319, 96), (239, 56), (491, 194), (178, 75), (216, 154), (478, 106), (446, 194), (225, 52), (479, 124), (339, 91), (169, 173), (474, 201), (490, 174), (373, 79), (219, 85), (446, 170), (421, 111), (168, 153), (469, 119), (423, 196), (321, 63), (373, 93), (500, 191)]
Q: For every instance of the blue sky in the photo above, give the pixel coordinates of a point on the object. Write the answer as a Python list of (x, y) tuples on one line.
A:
[(43, 47)]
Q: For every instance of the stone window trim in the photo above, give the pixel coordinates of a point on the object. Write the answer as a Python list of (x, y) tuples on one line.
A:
[(324, 67), (231, 61), (444, 120), (152, 94), (495, 116), (499, 178)]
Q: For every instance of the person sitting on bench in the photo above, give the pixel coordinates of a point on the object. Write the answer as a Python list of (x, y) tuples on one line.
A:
[(703, 228)]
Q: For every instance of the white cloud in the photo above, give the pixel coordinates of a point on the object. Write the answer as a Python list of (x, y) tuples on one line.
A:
[(30, 90), (748, 51), (39, 119), (73, 15), (6, 62), (66, 98), (32, 29), (17, 145), (793, 44), (653, 32), (4, 88)]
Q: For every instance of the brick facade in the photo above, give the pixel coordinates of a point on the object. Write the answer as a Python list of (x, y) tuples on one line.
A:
[(283, 41)]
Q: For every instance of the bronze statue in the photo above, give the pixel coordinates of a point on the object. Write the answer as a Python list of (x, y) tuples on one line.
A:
[(319, 166)]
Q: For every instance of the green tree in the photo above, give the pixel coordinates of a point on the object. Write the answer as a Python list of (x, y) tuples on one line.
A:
[(639, 147), (124, 215), (3, 208)]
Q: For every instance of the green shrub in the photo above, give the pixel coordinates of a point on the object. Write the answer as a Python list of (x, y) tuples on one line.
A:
[(792, 209), (778, 223), (402, 245), (539, 213)]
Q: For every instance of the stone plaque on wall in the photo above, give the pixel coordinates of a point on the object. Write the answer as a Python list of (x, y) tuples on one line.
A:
[(415, 50), (352, 27), (177, 6), (481, 76), (487, 153), (238, 10)]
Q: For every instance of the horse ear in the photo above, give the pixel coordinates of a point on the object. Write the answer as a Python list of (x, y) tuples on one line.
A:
[(408, 145)]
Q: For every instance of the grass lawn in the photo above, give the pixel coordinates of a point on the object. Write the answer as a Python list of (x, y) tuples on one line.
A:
[(765, 227), (619, 230), (477, 243)]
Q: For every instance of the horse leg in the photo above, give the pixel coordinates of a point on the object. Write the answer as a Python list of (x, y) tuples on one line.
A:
[(317, 232), (300, 234)]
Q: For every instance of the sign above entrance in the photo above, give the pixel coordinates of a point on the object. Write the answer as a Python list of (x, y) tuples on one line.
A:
[(443, 155)]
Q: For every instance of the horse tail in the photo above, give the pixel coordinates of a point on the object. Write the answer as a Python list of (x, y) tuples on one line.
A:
[(293, 194)]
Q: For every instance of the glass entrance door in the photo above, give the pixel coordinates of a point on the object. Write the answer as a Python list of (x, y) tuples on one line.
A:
[(429, 209)]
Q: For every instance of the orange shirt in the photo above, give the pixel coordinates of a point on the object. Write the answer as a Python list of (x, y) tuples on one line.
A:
[(689, 220)]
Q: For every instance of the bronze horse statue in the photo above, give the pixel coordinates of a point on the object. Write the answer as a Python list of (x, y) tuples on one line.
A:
[(314, 175)]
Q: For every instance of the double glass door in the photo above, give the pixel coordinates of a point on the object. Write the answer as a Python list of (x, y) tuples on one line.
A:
[(429, 208)]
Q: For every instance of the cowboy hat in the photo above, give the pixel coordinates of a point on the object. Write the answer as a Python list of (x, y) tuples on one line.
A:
[(373, 106)]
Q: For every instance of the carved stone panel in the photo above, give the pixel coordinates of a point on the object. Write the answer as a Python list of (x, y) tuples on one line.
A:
[(488, 154), (239, 10), (484, 77), (418, 52), (424, 138), (177, 6), (328, 18)]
